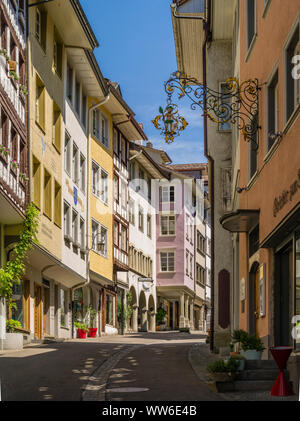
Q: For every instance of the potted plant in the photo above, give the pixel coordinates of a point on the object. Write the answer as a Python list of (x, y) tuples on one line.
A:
[(160, 316), (241, 360), (223, 370), (82, 329), (92, 317), (13, 339), (251, 345)]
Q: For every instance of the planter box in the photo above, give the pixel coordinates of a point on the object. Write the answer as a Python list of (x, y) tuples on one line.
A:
[(81, 334), (252, 354), (92, 332), (13, 341)]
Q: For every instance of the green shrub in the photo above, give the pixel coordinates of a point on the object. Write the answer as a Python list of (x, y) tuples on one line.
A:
[(222, 366), (12, 325), (160, 315), (247, 341), (81, 326)]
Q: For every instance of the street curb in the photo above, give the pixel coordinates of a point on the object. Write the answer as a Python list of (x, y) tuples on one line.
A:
[(96, 387)]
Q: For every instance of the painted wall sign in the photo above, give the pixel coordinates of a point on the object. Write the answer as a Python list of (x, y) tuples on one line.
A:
[(286, 196)]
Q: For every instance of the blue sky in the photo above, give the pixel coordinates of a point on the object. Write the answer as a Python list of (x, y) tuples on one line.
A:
[(137, 50)]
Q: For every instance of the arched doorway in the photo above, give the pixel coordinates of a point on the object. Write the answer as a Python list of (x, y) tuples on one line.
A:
[(151, 314), (253, 298), (143, 319), (132, 306)]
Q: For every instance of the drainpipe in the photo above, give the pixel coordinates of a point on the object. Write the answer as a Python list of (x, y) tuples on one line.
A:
[(211, 168), (88, 280)]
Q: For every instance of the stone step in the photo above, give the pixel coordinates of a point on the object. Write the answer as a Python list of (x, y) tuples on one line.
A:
[(260, 364), (259, 374), (253, 385)]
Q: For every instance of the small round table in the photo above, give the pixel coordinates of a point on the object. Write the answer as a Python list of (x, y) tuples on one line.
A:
[(281, 386)]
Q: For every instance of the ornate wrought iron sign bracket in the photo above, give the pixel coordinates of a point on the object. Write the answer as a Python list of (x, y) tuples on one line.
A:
[(236, 104)]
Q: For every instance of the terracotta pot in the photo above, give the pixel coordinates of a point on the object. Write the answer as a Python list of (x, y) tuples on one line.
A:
[(92, 332), (157, 328), (81, 334)]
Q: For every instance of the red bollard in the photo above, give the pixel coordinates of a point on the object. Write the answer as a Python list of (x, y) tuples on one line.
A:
[(281, 386)]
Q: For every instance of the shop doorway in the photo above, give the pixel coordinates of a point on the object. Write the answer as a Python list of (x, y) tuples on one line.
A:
[(283, 288), (37, 312), (46, 312), (253, 298)]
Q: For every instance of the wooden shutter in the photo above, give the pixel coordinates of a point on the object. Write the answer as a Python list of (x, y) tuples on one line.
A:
[(224, 298)]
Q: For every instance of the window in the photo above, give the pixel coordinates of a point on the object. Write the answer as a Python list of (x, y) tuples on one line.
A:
[(40, 103), (131, 171), (191, 266), (75, 164), (47, 194), (104, 186), (167, 261), (67, 154), (225, 106), (149, 226), (100, 127), (83, 109), (201, 243), (36, 176), (41, 27), (63, 308), (273, 109), (56, 127), (187, 262), (131, 212), (124, 238), (167, 224), (251, 21), (82, 233), (116, 188), (67, 220), (57, 54), (96, 179), (69, 82), (141, 180), (99, 238), (109, 309), (254, 241), (123, 150), (168, 194), (75, 228), (116, 234), (141, 219), (292, 94), (200, 274), (124, 194), (116, 142), (57, 204), (82, 173), (77, 97)]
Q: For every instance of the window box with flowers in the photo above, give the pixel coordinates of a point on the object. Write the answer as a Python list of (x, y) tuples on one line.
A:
[(14, 166), (4, 153)]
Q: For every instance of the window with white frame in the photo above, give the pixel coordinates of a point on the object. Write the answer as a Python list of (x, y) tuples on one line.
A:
[(123, 238), (75, 227), (168, 194), (141, 219), (99, 182), (99, 238), (82, 173), (116, 234), (67, 220), (167, 224), (75, 163), (116, 188), (124, 194), (100, 127), (67, 154), (167, 261), (104, 186), (149, 225), (82, 233), (95, 179), (131, 212)]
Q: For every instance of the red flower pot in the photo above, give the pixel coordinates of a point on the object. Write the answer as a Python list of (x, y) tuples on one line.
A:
[(81, 334), (92, 332)]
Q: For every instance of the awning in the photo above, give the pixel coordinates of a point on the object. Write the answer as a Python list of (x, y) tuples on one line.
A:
[(241, 220)]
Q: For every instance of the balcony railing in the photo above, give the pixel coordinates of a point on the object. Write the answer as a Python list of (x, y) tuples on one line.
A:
[(12, 93), (18, 24), (11, 184)]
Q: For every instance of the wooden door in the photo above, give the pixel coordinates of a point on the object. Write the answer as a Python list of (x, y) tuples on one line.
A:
[(37, 312), (46, 309)]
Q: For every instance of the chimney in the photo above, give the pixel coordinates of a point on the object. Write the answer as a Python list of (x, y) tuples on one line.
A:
[(149, 144)]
